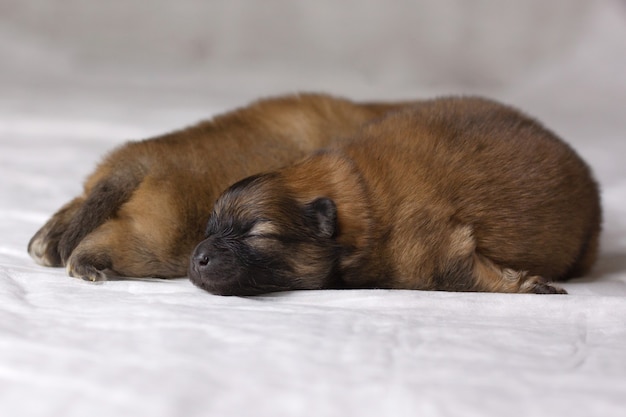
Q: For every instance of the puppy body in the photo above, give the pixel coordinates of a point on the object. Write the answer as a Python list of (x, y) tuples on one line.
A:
[(459, 194), (145, 206)]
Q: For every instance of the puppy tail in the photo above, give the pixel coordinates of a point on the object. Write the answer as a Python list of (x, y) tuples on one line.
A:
[(106, 191)]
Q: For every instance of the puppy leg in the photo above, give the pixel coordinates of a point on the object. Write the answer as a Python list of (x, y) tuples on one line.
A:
[(90, 265), (151, 235), (465, 269), (492, 278), (102, 202), (44, 245), (119, 249)]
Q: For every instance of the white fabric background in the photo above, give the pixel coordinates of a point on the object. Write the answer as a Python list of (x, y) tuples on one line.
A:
[(79, 77)]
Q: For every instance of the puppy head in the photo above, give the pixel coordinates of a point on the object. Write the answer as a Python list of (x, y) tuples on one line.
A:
[(260, 239)]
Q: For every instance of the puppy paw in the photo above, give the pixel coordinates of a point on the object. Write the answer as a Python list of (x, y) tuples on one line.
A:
[(44, 246), (87, 268), (538, 285)]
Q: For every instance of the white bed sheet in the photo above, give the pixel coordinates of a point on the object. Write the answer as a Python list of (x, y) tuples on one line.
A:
[(165, 348)]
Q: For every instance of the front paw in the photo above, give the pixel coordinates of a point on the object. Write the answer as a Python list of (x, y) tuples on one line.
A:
[(88, 268), (44, 246), (541, 286)]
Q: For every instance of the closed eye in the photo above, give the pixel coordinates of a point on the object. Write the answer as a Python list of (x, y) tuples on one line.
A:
[(262, 228), (262, 243)]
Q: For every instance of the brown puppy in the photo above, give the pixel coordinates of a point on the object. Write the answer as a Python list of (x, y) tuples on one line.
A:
[(145, 207), (457, 194)]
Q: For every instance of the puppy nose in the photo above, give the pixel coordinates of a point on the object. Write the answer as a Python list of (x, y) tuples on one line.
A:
[(201, 258)]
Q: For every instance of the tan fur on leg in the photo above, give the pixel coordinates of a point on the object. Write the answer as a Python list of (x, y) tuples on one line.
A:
[(490, 277)]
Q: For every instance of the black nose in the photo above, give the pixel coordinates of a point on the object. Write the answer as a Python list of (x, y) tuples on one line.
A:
[(201, 258)]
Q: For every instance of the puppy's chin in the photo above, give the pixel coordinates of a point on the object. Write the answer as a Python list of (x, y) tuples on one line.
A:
[(232, 286), (218, 283), (232, 281)]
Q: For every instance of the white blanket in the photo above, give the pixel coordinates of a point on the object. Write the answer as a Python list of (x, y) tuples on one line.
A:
[(165, 348)]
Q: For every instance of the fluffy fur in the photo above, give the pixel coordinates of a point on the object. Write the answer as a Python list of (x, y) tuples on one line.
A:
[(145, 206), (456, 194)]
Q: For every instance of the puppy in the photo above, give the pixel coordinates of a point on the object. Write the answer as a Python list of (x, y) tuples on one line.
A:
[(455, 194), (145, 207)]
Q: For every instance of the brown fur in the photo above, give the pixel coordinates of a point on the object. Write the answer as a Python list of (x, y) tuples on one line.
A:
[(457, 194), (145, 206)]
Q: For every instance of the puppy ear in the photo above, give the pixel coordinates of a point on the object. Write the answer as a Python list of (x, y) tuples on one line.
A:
[(322, 213)]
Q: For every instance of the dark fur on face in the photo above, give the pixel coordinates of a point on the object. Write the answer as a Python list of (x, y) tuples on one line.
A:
[(456, 194), (245, 245)]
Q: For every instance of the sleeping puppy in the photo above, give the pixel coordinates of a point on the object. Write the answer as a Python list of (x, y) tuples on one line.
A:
[(456, 194), (145, 207)]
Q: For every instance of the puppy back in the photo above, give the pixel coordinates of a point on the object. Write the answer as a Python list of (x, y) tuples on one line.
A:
[(530, 199)]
